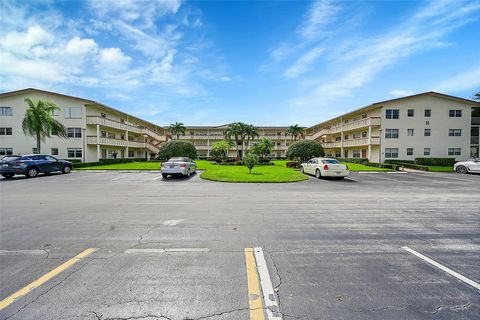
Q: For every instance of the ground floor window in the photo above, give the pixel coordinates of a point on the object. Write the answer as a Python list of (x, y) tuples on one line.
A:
[(426, 151), (391, 152), (74, 152), (338, 154), (6, 151), (54, 152), (345, 152), (409, 151), (356, 153), (131, 153), (454, 151), (34, 150)]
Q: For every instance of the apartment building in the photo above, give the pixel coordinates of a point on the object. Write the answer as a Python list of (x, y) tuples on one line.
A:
[(429, 124), (95, 131), (204, 136)]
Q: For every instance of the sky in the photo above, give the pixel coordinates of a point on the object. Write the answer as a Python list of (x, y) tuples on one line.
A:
[(260, 62)]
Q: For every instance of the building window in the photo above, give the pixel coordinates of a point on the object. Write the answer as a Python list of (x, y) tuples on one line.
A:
[(338, 138), (356, 153), (131, 153), (345, 137), (454, 132), (5, 111), (103, 134), (391, 133), (6, 151), (410, 112), (427, 132), (338, 154), (73, 112), (426, 151), (454, 113), (391, 114), (54, 151), (103, 115), (364, 116), (111, 135), (454, 151), (345, 153), (5, 131), (364, 134), (34, 150), (409, 151), (391, 152), (410, 132), (428, 112), (74, 132), (74, 152), (55, 112), (356, 135)]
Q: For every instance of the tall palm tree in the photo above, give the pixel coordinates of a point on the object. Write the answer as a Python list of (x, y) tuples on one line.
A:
[(295, 131), (177, 129), (235, 131), (251, 132), (39, 123)]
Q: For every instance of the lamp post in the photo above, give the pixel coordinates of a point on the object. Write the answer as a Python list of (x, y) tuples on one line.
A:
[(380, 146)]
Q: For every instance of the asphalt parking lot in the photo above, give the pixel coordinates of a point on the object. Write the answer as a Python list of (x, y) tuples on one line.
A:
[(182, 249)]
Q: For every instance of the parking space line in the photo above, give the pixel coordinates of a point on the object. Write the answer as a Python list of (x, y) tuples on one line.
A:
[(167, 250), (21, 252), (269, 297), (254, 294), (156, 178), (442, 267), (20, 293)]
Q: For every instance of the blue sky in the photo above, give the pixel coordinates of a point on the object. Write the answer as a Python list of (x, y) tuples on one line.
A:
[(262, 62)]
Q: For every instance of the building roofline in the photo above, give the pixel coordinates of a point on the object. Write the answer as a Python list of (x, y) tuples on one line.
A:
[(92, 102), (378, 104)]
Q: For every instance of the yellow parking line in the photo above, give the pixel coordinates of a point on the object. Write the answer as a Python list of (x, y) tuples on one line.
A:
[(254, 294), (20, 293)]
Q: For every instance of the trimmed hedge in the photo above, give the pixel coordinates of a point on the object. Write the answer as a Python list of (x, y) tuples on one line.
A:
[(435, 161), (293, 164), (353, 160), (400, 161)]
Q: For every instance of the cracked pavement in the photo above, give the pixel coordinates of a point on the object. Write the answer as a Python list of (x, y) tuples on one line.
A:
[(333, 248)]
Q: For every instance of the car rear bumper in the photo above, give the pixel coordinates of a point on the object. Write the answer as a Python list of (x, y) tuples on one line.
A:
[(12, 170), (335, 173), (183, 171)]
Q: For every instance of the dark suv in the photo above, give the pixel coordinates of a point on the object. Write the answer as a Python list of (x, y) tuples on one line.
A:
[(32, 164)]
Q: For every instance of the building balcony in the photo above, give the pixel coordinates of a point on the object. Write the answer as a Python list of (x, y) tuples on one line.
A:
[(352, 143), (363, 123), (96, 120), (104, 141)]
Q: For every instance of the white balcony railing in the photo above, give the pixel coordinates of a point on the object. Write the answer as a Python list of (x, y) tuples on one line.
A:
[(125, 127), (114, 142)]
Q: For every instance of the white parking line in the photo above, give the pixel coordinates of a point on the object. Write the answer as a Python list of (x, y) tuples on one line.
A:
[(21, 252), (167, 250), (156, 178), (368, 172), (269, 297), (442, 267)]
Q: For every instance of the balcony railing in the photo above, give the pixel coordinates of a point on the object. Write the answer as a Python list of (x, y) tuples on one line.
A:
[(124, 126), (352, 143), (373, 121), (114, 142)]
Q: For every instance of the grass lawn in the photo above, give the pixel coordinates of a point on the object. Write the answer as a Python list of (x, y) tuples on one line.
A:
[(125, 166), (440, 168), (277, 173), (361, 167)]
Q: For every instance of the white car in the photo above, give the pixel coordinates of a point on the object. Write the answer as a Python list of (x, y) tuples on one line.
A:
[(325, 167), (178, 166), (472, 165)]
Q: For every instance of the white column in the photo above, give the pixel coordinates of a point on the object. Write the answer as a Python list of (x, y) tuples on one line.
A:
[(369, 143), (98, 142)]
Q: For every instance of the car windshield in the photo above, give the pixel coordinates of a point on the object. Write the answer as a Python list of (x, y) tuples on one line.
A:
[(10, 158), (179, 159), (331, 161)]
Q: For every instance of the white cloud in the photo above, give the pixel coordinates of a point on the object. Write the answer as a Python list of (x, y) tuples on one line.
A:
[(81, 47), (467, 80), (23, 42), (113, 57), (303, 63), (398, 93), (225, 79), (320, 15)]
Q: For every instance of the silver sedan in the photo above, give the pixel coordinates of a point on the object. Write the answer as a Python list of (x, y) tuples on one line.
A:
[(180, 166)]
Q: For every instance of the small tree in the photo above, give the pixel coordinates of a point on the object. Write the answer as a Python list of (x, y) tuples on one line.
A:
[(220, 149), (250, 160), (263, 148), (39, 123), (177, 148), (305, 150), (295, 131)]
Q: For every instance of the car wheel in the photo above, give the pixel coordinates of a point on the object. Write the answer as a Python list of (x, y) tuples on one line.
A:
[(461, 169), (164, 175), (318, 174), (66, 169), (31, 173), (8, 175)]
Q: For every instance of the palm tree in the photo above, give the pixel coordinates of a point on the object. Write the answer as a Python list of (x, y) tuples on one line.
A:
[(251, 132), (177, 129), (39, 123), (235, 131), (295, 131)]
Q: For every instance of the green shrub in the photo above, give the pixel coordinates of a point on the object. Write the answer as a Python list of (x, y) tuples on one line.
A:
[(177, 148), (400, 161), (435, 161), (304, 150), (353, 160), (250, 160)]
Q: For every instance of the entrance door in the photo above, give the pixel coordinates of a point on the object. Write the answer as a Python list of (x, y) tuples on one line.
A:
[(364, 153), (104, 153)]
